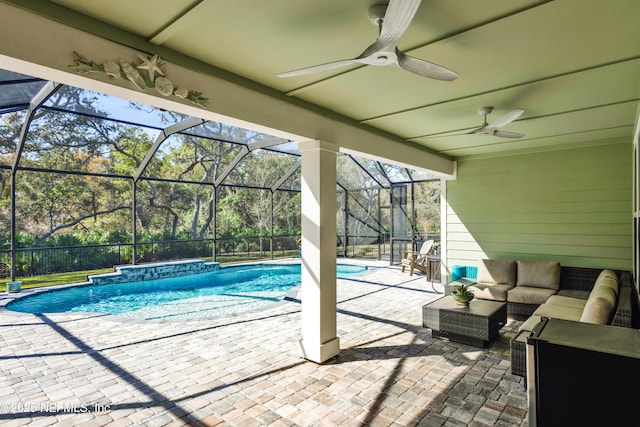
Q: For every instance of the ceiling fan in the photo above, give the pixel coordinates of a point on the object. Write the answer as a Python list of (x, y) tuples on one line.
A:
[(392, 19), (493, 128)]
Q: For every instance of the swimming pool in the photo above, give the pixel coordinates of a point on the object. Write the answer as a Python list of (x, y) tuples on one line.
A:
[(226, 292)]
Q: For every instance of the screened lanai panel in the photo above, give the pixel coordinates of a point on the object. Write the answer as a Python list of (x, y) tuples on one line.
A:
[(229, 133), (286, 223), (352, 176), (86, 102), (286, 213), (363, 220), (340, 216), (290, 147), (243, 212), (427, 210), (371, 172), (293, 182), (360, 230), (17, 90), (71, 222), (5, 223), (174, 220), (10, 128), (419, 175), (168, 210), (243, 222), (261, 168), (61, 140), (191, 158), (67, 142), (5, 208), (395, 173), (63, 209)]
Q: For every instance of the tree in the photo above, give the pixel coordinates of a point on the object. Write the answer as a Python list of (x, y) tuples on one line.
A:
[(53, 203), (75, 179)]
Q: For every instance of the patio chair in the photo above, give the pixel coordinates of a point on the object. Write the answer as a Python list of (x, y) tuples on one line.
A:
[(417, 260)]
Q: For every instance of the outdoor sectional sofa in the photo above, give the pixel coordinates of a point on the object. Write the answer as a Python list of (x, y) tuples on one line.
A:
[(537, 289), (526, 285)]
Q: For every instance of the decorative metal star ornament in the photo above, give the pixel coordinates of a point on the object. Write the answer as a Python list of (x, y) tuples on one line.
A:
[(151, 65)]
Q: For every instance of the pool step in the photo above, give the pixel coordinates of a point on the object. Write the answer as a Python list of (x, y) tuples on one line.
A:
[(164, 270)]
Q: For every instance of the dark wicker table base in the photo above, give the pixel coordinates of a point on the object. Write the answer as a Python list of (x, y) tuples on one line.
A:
[(519, 354), (475, 324), (462, 339)]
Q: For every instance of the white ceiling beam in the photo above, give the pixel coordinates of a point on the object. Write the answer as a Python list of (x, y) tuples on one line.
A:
[(175, 26)]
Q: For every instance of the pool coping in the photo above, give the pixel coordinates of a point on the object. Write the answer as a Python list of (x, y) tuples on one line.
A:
[(120, 272), (292, 295)]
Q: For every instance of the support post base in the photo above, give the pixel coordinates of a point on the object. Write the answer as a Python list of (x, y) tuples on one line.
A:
[(319, 353)]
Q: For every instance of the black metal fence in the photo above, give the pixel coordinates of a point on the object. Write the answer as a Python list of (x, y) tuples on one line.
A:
[(168, 250), (49, 260), (371, 247), (256, 247), (379, 246)]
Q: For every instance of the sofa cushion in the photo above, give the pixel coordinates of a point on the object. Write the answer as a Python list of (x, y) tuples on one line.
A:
[(600, 306), (490, 291), (607, 273), (558, 312), (528, 324), (574, 293), (563, 301), (539, 274), (529, 295), (607, 278), (497, 271)]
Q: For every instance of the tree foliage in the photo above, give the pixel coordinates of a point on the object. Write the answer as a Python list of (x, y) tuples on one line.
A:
[(74, 185), (79, 173)]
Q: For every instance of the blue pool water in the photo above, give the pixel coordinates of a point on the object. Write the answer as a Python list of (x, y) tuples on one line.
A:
[(228, 291)]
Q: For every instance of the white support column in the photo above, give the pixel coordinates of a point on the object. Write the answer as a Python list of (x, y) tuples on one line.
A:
[(319, 324), (444, 221)]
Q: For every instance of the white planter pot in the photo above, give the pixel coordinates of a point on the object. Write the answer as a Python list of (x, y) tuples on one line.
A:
[(13, 287)]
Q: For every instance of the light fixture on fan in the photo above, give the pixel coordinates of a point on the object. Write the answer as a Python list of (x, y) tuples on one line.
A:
[(392, 19), (493, 128)]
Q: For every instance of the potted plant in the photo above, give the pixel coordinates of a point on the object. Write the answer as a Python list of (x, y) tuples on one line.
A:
[(462, 294), (13, 287)]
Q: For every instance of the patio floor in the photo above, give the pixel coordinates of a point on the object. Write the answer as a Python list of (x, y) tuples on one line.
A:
[(94, 370)]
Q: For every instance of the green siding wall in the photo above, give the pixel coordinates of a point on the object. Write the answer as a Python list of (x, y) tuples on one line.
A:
[(573, 206)]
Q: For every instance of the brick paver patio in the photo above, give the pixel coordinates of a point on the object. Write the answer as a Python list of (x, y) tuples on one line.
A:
[(95, 370)]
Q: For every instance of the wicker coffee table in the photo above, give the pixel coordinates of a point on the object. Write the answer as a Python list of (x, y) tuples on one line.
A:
[(475, 324)]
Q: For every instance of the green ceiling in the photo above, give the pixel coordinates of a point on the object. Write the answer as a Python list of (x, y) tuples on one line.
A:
[(572, 65)]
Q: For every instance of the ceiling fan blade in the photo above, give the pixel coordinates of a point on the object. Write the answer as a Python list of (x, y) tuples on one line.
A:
[(384, 51), (397, 18), (425, 68), (503, 134), (317, 68), (480, 131), (507, 118)]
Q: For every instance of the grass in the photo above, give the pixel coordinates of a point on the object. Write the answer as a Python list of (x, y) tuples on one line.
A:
[(58, 278)]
